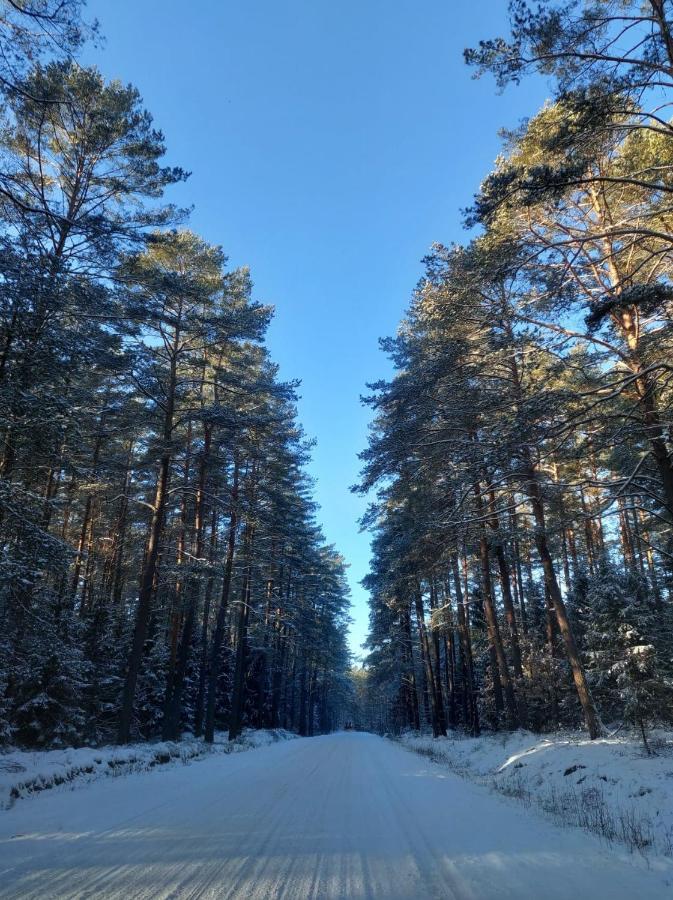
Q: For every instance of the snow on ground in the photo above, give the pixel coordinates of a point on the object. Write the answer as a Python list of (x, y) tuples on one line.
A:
[(608, 786), (344, 815), (26, 772)]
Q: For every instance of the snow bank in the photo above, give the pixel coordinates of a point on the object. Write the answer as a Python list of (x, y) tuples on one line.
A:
[(609, 786), (26, 772)]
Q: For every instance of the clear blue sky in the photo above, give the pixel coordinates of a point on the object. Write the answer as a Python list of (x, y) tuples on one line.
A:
[(330, 144)]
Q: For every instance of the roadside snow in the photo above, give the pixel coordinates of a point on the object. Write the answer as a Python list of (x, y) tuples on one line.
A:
[(26, 772), (608, 786)]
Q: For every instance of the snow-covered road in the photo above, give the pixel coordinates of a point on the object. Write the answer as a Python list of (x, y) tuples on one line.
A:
[(341, 816)]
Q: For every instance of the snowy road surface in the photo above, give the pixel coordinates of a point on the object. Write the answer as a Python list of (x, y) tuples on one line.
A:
[(342, 816)]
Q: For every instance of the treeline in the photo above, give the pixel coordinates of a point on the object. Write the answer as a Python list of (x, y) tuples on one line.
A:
[(162, 568), (522, 567)]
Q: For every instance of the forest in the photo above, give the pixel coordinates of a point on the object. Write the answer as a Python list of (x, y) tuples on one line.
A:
[(519, 462), (162, 567)]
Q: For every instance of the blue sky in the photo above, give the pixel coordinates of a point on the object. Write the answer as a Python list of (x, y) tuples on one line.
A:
[(330, 145)]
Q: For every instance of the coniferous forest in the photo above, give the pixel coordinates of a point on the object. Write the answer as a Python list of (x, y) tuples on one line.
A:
[(162, 568), (520, 456)]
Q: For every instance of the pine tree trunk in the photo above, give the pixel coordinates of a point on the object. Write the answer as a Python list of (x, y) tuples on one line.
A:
[(218, 634), (437, 715), (409, 675), (199, 708), (173, 708), (466, 648), (144, 608), (514, 528), (579, 677), (150, 567), (501, 672), (84, 530), (238, 691), (506, 590)]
